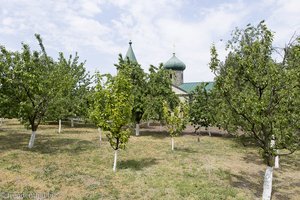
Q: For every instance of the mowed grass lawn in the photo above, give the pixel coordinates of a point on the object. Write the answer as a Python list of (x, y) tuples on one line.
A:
[(73, 165)]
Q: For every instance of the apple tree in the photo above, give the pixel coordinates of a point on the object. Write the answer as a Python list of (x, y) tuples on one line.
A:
[(176, 119), (112, 109), (261, 93)]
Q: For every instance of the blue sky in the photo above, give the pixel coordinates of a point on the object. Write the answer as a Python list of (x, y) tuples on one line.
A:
[(100, 29)]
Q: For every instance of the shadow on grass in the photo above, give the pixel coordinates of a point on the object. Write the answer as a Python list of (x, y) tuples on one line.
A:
[(68, 124), (163, 133), (154, 133), (247, 141), (76, 131), (10, 141), (284, 189), (137, 164), (185, 150), (253, 158), (244, 181), (206, 133), (48, 144), (62, 145), (290, 162)]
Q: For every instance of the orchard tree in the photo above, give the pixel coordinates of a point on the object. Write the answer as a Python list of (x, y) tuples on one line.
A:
[(112, 109), (30, 83), (73, 99), (96, 104), (260, 93), (201, 108), (137, 77), (159, 90), (176, 119)]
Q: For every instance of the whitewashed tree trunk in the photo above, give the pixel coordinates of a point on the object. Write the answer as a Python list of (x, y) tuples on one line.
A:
[(100, 134), (72, 122), (276, 162), (1, 121), (208, 132), (137, 129), (31, 141), (276, 166), (148, 123), (172, 143), (59, 126), (115, 161), (267, 189)]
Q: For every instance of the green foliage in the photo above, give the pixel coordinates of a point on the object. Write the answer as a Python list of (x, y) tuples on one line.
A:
[(176, 119), (159, 90), (138, 80), (73, 99), (201, 107), (31, 82), (112, 109), (259, 95)]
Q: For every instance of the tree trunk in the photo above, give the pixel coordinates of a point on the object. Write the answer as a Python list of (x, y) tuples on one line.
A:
[(172, 143), (31, 141), (160, 126), (137, 129), (72, 122), (59, 126), (100, 134), (148, 123), (115, 161), (276, 162), (1, 121), (276, 166), (208, 132), (267, 189)]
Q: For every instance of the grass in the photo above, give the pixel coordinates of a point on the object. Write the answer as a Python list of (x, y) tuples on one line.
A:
[(73, 165)]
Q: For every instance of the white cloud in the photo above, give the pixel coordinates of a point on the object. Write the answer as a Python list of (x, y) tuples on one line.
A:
[(285, 20), (100, 29)]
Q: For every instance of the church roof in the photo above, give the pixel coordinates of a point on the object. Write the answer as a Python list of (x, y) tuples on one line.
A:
[(189, 87), (130, 54), (175, 64)]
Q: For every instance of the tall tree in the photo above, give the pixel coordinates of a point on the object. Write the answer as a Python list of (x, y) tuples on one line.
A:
[(260, 93), (201, 108), (73, 99), (176, 119), (159, 90), (112, 109), (139, 89), (30, 82)]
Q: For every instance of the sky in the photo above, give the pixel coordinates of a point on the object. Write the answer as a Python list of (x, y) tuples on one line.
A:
[(99, 30)]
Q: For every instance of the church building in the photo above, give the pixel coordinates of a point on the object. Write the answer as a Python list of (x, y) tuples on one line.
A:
[(177, 67)]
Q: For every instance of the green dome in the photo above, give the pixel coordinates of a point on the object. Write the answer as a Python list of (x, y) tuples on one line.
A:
[(175, 64)]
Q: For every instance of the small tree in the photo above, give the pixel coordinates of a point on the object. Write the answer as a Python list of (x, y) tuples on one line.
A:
[(201, 108), (96, 105), (176, 119), (112, 108), (261, 94)]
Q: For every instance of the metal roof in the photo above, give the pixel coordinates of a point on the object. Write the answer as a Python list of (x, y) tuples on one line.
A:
[(130, 54), (189, 87)]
